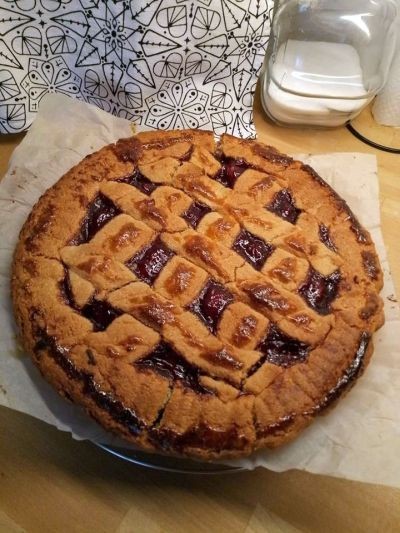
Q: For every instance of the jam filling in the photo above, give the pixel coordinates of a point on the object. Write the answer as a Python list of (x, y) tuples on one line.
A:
[(230, 170), (319, 291), (167, 362), (280, 349), (100, 313), (254, 249), (195, 212), (325, 237), (117, 410), (66, 289), (140, 182), (283, 205), (148, 263), (100, 211), (211, 303)]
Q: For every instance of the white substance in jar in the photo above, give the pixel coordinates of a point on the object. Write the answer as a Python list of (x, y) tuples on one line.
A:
[(319, 70)]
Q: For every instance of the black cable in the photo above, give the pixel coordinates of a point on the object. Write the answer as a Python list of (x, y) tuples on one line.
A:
[(371, 143)]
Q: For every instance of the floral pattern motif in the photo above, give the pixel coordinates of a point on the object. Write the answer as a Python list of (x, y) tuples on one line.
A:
[(49, 77), (159, 63), (177, 106)]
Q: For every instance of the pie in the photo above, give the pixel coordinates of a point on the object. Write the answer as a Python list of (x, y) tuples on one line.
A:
[(197, 298)]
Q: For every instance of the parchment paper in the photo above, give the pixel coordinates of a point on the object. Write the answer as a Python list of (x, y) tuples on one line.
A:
[(359, 439)]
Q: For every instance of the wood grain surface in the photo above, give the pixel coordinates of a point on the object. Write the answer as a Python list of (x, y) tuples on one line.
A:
[(50, 483)]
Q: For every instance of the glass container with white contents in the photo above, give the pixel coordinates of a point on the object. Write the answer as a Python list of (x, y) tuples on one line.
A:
[(327, 59)]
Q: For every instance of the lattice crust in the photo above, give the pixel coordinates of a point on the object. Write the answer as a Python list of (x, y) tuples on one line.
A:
[(197, 298)]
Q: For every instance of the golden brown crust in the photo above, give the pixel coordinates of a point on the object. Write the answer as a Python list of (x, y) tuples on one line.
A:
[(197, 299)]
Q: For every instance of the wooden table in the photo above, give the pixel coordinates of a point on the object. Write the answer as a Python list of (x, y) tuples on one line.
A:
[(50, 483)]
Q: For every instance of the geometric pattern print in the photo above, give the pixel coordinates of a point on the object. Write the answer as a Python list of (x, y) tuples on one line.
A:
[(159, 63)]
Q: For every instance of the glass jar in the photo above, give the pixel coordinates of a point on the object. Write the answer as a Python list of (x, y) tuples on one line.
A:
[(326, 59)]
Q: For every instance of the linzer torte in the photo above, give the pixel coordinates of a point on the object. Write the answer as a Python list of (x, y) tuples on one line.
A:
[(197, 298)]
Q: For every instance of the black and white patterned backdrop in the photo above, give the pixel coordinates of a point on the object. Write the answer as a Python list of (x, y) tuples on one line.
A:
[(159, 63)]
